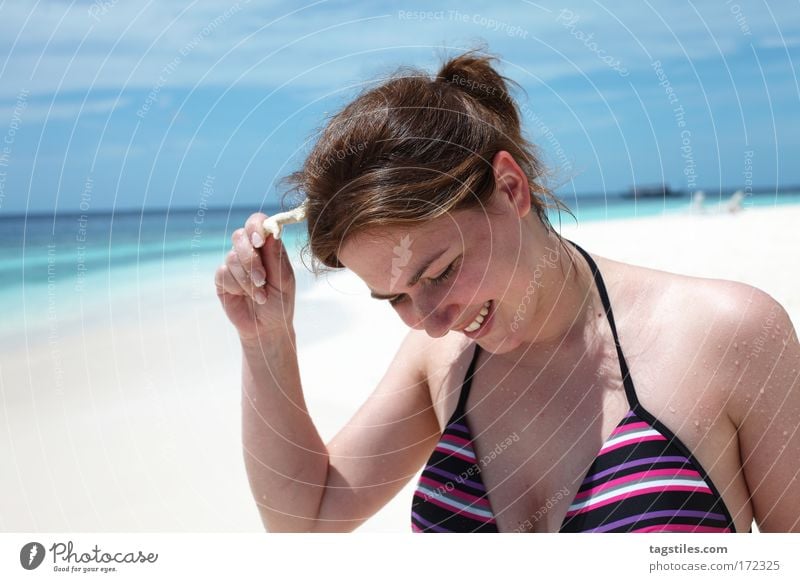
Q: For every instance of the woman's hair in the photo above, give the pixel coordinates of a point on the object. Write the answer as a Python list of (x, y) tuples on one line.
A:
[(413, 149)]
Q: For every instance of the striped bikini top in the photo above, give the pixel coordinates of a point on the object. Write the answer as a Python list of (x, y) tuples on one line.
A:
[(643, 479)]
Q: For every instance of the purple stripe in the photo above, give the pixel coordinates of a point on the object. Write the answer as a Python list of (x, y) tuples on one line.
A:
[(427, 524), (605, 472), (455, 478), (654, 514), (457, 426)]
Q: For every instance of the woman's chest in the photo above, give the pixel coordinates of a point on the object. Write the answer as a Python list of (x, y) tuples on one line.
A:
[(538, 431)]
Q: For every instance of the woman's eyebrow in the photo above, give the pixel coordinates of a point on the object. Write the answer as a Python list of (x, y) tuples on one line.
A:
[(413, 280)]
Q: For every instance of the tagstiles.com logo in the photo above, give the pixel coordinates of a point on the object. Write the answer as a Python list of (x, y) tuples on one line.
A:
[(66, 560)]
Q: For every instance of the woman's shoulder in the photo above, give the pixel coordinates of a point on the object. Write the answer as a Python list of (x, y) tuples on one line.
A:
[(688, 297), (704, 311), (737, 329)]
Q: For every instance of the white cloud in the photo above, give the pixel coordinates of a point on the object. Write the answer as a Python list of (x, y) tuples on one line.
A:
[(61, 109), (129, 45)]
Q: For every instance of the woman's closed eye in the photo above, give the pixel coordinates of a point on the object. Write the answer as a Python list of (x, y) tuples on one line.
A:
[(448, 272)]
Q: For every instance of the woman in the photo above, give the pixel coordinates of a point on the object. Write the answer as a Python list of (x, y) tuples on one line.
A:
[(512, 383)]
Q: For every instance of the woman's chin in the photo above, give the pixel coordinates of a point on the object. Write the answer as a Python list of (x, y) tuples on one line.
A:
[(500, 343)]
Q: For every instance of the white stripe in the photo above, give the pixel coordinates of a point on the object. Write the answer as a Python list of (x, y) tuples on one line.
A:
[(637, 434), (457, 449), (604, 495), (441, 496)]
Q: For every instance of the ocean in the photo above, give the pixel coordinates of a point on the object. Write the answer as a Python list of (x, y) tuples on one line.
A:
[(64, 267)]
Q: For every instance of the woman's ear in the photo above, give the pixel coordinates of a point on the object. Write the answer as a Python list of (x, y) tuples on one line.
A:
[(512, 183)]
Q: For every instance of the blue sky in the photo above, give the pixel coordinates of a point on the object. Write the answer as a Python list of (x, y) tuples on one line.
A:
[(136, 104)]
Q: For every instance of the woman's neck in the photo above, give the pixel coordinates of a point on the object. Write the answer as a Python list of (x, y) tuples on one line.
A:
[(566, 309)]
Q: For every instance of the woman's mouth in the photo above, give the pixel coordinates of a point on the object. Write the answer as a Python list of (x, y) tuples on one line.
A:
[(481, 323)]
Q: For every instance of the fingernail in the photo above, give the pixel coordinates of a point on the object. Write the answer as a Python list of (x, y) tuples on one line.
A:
[(261, 297), (259, 277), (257, 240)]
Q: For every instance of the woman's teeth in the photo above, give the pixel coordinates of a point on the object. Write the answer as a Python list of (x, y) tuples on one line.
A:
[(479, 320)]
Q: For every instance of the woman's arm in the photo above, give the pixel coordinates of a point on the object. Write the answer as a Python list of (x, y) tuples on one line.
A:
[(765, 405), (285, 457), (298, 482)]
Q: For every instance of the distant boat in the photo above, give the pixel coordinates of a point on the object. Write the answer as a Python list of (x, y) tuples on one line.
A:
[(654, 191)]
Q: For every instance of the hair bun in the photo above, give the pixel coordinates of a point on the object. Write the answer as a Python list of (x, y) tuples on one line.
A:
[(473, 73)]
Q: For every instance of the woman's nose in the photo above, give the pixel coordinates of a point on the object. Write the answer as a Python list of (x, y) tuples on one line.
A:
[(435, 319)]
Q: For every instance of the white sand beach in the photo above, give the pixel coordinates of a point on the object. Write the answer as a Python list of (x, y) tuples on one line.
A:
[(131, 422)]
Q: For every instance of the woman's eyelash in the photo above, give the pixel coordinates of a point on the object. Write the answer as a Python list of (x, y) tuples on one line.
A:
[(438, 280), (443, 277)]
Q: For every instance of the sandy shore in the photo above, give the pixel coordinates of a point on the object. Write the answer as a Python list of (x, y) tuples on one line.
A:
[(131, 421)]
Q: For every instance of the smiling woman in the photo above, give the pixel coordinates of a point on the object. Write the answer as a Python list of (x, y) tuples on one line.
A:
[(512, 383)]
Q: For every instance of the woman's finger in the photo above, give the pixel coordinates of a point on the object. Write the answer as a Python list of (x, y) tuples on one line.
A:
[(249, 258), (225, 282), (243, 278), (254, 229)]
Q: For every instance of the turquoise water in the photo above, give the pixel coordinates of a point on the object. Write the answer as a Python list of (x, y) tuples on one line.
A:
[(63, 267)]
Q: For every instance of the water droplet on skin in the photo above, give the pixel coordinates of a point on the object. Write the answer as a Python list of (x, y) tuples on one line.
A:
[(744, 343), (697, 423), (736, 363), (719, 346), (778, 326), (785, 432), (671, 409), (735, 345), (761, 391)]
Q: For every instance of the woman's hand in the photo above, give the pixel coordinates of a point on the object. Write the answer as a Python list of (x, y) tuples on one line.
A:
[(256, 283)]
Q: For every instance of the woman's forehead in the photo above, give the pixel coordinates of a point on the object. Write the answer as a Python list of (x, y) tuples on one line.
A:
[(452, 227)]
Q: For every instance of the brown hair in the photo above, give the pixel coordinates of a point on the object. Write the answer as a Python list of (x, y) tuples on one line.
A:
[(412, 149)]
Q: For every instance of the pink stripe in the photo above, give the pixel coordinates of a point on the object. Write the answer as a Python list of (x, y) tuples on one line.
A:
[(414, 528), (459, 510), (654, 437), (623, 428), (461, 456), (637, 477), (637, 492), (455, 440), (682, 527), (466, 497)]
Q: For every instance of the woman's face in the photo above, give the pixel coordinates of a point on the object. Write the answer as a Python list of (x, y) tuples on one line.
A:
[(438, 276)]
